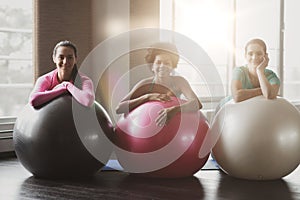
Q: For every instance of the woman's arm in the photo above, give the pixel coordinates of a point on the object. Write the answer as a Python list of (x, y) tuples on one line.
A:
[(239, 94), (191, 105), (138, 96), (127, 104), (269, 91), (41, 93), (84, 96)]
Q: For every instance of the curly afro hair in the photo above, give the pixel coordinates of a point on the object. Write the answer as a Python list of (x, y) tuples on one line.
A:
[(165, 48)]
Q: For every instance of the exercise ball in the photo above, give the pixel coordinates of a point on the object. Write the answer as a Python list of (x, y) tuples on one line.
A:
[(47, 143), (170, 151), (259, 139)]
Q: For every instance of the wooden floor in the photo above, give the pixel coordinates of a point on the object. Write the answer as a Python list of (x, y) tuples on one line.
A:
[(17, 183)]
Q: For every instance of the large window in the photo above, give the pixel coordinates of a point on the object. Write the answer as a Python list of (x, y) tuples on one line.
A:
[(222, 28), (291, 81), (16, 24), (209, 23), (258, 19)]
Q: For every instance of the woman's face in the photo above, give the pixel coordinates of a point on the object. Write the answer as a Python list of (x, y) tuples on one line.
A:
[(254, 54), (65, 59), (162, 65)]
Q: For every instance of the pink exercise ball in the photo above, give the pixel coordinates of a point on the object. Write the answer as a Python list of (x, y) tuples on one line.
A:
[(170, 151), (259, 139)]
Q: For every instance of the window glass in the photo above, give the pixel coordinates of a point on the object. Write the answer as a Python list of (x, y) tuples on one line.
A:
[(291, 82), (16, 24), (258, 19), (222, 28), (209, 23)]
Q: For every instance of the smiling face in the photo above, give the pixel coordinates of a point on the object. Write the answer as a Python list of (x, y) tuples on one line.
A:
[(65, 59), (254, 54), (162, 66)]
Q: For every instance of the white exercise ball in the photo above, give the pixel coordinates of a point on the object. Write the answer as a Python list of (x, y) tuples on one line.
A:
[(258, 139)]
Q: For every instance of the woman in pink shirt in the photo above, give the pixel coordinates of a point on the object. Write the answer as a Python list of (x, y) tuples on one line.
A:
[(62, 80)]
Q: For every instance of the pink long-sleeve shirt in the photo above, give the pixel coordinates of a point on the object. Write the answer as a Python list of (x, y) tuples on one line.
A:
[(47, 87)]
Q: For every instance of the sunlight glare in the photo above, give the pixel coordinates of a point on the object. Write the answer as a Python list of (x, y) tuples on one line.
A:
[(209, 22)]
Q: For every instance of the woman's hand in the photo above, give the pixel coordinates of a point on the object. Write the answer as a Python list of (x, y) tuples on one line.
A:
[(165, 115), (63, 84), (263, 65)]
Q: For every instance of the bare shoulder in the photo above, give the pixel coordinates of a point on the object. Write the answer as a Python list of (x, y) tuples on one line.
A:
[(144, 82), (179, 80)]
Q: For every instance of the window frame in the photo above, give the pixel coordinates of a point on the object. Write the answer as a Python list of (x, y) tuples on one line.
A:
[(167, 10), (7, 122)]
